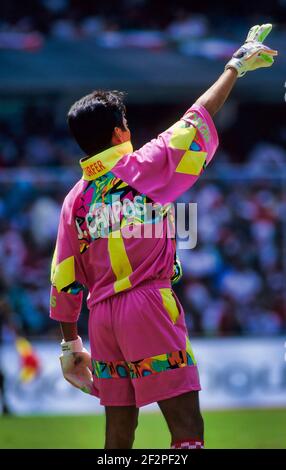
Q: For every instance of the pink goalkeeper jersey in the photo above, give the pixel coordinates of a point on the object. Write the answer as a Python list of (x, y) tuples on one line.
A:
[(105, 252)]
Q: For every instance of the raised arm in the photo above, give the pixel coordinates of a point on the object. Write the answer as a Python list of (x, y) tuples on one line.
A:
[(167, 166), (252, 55), (213, 99)]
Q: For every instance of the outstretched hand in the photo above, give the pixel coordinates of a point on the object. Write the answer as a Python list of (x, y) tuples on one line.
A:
[(253, 54)]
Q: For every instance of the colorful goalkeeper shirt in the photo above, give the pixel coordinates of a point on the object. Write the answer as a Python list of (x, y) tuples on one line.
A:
[(116, 227)]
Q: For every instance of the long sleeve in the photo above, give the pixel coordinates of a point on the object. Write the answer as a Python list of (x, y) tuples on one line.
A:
[(166, 167), (66, 291)]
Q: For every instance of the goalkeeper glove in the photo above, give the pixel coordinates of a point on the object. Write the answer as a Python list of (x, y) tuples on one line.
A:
[(76, 365), (253, 54)]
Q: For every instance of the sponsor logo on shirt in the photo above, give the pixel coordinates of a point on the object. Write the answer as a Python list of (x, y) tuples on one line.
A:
[(200, 124), (94, 168)]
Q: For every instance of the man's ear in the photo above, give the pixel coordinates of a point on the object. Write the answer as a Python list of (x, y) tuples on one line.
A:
[(117, 136)]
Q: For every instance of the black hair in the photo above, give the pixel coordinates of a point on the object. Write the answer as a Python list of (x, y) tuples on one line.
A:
[(93, 118)]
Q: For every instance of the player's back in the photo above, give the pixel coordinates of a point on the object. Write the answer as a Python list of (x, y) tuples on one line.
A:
[(116, 229), (120, 236)]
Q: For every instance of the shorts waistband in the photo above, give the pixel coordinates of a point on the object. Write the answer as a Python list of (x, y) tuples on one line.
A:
[(155, 283)]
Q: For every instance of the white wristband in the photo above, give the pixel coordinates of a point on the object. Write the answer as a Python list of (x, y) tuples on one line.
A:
[(69, 347), (237, 65)]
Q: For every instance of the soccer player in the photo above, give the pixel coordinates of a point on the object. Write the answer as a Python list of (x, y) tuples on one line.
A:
[(140, 350)]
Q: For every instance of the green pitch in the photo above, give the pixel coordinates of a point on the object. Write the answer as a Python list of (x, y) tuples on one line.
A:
[(256, 429)]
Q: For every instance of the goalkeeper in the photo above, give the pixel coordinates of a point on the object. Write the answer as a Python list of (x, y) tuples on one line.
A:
[(140, 350)]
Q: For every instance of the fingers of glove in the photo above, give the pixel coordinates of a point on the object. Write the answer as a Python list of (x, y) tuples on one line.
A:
[(87, 362), (86, 389), (71, 380), (259, 61), (248, 50), (263, 61), (267, 58), (252, 32), (89, 365), (269, 51), (83, 384), (77, 370), (259, 50), (88, 359), (263, 32), (259, 32), (258, 46)]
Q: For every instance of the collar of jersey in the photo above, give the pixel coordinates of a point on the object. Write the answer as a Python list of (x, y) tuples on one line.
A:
[(101, 163)]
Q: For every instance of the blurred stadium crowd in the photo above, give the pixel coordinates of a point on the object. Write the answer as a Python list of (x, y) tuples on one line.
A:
[(143, 23), (233, 279), (73, 18)]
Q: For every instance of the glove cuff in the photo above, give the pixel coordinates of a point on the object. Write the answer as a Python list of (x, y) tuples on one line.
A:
[(236, 64), (69, 347)]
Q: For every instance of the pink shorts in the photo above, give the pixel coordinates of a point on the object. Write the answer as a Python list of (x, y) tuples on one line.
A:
[(140, 348)]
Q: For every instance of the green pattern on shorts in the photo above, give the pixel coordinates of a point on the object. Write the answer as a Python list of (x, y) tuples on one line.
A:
[(143, 367)]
